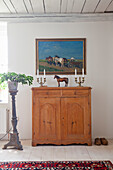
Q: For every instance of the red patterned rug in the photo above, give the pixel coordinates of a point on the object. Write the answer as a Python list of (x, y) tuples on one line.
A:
[(58, 165)]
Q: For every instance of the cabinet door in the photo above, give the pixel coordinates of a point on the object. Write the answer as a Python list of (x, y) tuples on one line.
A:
[(47, 120), (75, 120)]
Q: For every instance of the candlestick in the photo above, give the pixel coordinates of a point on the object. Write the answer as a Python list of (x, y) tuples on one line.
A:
[(37, 72), (75, 72), (83, 72), (44, 73)]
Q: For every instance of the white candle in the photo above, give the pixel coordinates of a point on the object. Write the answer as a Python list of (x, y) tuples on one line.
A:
[(44, 73), (75, 72), (83, 72), (37, 72)]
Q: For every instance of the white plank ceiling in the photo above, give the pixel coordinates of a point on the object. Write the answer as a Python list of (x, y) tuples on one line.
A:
[(43, 8)]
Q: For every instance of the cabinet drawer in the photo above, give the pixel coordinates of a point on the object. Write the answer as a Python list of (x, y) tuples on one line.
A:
[(41, 93), (47, 93), (54, 93), (75, 93)]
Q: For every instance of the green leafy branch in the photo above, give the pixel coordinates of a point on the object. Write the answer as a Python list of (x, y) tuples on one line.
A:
[(12, 76)]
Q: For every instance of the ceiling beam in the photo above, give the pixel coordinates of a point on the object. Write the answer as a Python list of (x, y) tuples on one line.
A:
[(56, 17), (7, 6), (83, 6), (13, 6), (60, 5), (109, 5), (44, 6), (97, 5), (25, 6), (31, 5)]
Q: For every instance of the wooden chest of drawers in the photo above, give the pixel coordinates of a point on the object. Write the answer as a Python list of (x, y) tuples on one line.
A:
[(61, 115)]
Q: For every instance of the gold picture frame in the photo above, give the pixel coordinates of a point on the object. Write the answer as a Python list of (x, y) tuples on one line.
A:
[(61, 56)]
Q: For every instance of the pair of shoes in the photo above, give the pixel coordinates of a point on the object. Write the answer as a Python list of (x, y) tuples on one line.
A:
[(99, 141), (104, 141)]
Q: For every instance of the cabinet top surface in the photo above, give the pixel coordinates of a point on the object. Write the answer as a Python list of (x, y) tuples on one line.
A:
[(61, 88)]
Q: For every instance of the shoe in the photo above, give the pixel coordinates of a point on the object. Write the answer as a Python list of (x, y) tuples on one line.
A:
[(104, 141), (97, 141)]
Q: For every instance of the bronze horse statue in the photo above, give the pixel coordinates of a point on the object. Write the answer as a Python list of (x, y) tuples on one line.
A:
[(65, 79)]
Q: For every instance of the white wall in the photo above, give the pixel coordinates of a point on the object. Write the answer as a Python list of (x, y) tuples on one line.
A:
[(21, 42)]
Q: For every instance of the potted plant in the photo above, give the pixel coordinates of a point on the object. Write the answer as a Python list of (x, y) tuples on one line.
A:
[(13, 79)]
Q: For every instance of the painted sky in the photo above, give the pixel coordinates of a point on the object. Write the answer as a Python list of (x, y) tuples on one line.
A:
[(64, 49)]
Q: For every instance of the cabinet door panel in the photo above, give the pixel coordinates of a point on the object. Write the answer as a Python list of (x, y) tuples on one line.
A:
[(75, 118), (47, 120)]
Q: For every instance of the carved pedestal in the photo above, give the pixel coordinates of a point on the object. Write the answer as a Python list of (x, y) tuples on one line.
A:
[(14, 136)]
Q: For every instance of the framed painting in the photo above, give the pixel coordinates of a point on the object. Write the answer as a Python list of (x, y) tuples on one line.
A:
[(61, 56)]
